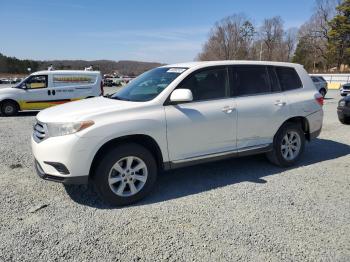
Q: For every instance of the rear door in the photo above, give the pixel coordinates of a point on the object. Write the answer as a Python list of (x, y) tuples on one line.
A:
[(206, 125), (261, 106)]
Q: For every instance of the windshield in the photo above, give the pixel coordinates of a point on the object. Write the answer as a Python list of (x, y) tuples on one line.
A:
[(148, 85), (20, 84)]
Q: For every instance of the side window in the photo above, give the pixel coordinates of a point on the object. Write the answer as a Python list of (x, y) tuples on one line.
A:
[(275, 86), (288, 78), (250, 80), (36, 82), (207, 84), (73, 80), (315, 79)]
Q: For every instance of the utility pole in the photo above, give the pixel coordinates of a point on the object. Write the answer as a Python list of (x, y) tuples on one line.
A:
[(261, 44)]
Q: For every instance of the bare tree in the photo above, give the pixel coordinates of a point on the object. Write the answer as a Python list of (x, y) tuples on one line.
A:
[(314, 33), (230, 38), (290, 41), (271, 33)]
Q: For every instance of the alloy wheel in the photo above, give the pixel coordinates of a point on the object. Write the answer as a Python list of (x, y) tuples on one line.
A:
[(291, 144), (128, 176), (9, 109)]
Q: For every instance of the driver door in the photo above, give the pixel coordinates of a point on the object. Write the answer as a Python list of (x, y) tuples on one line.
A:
[(35, 95), (206, 126)]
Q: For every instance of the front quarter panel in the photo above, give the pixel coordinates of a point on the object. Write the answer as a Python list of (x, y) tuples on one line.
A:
[(149, 121), (10, 93)]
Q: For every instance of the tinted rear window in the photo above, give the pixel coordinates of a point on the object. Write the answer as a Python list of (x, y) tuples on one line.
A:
[(275, 87), (288, 78), (250, 80)]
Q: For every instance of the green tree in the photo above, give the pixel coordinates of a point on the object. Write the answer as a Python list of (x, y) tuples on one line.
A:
[(301, 54), (339, 36)]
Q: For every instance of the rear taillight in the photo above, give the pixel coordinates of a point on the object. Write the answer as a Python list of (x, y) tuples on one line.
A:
[(102, 92), (319, 99)]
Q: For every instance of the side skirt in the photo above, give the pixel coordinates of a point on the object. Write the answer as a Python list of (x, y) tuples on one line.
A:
[(255, 150)]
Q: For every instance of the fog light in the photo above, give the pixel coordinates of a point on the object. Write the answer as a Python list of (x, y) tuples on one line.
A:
[(62, 169)]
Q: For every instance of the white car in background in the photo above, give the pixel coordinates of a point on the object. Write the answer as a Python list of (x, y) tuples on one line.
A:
[(321, 84), (345, 89), (175, 116), (44, 89)]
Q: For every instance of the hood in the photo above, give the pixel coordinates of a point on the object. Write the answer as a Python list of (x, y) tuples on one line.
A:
[(85, 109), (9, 91)]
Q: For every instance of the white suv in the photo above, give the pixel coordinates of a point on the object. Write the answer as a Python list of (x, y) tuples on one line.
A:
[(174, 116)]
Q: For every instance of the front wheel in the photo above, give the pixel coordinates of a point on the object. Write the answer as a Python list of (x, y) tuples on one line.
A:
[(288, 145), (126, 175), (9, 108)]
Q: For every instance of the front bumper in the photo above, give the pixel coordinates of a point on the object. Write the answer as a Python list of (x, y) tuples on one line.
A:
[(344, 91), (65, 159), (78, 180)]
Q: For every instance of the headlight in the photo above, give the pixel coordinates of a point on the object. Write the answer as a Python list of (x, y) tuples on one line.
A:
[(62, 129), (342, 103)]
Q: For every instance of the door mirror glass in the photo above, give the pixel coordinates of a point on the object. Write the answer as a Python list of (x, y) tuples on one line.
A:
[(181, 95)]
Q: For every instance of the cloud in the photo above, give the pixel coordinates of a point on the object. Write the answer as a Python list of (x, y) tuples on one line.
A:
[(165, 45), (163, 34)]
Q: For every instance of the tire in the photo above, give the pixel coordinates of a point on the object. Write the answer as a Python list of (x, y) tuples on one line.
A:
[(344, 120), (278, 155), (323, 92), (119, 192), (9, 108)]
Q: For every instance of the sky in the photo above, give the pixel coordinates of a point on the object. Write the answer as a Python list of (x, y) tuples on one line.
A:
[(152, 30)]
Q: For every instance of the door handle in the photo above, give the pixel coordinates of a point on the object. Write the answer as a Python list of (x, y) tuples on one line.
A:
[(49, 92), (280, 103), (227, 109)]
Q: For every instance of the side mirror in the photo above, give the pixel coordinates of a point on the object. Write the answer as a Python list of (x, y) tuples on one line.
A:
[(181, 95)]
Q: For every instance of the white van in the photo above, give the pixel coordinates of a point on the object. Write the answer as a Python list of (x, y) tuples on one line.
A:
[(44, 89)]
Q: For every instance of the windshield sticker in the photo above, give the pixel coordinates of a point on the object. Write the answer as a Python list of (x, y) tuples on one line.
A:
[(176, 70)]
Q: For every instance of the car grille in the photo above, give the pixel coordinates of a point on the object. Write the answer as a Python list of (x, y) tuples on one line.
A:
[(40, 131)]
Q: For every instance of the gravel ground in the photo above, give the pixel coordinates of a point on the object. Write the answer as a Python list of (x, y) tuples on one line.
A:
[(239, 209)]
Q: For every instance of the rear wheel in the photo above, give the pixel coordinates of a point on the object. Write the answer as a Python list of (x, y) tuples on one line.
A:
[(288, 145), (126, 175), (9, 108)]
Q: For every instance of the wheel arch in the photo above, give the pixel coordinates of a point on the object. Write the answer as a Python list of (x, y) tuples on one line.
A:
[(144, 140), (299, 120), (10, 100)]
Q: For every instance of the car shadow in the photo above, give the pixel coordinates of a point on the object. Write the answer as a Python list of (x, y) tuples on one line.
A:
[(196, 179)]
